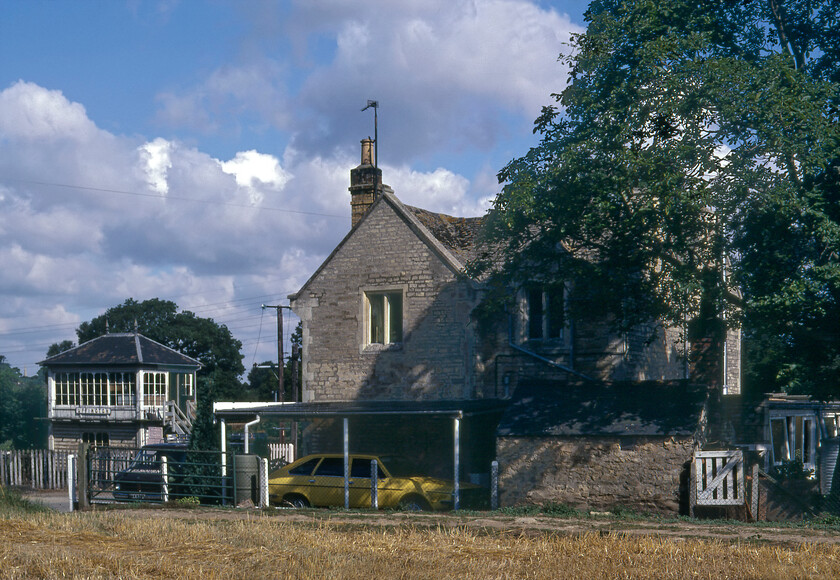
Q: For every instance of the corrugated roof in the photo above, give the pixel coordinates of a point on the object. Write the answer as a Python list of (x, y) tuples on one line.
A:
[(121, 349), (650, 408)]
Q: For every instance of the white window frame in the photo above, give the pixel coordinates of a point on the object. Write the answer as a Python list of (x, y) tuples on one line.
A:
[(122, 388), (799, 433), (157, 395), (95, 389), (389, 311)]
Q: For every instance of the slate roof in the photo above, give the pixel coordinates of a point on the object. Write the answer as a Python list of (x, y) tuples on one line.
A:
[(458, 235), (121, 349), (650, 408)]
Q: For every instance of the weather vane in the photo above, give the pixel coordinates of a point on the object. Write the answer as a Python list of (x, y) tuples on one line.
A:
[(375, 106)]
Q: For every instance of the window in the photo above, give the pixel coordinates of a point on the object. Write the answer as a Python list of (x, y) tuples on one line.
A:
[(305, 468), (123, 392), (545, 311), (184, 384), (794, 438), (154, 389), (95, 389), (332, 467), (97, 439), (384, 317), (360, 468)]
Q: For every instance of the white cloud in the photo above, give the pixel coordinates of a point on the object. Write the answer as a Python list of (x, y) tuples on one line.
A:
[(158, 162), (255, 171), (90, 236), (30, 113), (90, 217), (439, 190), (447, 74)]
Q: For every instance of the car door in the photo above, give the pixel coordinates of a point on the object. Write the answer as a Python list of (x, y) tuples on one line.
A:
[(295, 480), (360, 496), (327, 483)]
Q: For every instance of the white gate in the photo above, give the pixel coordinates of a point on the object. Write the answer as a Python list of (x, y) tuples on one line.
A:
[(717, 479)]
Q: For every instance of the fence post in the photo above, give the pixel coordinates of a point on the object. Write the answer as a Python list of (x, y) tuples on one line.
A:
[(494, 485), (263, 482), (692, 487), (82, 470), (374, 484), (41, 479), (754, 492), (71, 480), (164, 473), (16, 470)]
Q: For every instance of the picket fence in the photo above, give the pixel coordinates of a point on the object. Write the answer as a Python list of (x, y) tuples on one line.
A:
[(279, 454), (34, 468)]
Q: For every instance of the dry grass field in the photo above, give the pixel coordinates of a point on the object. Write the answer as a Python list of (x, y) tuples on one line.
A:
[(229, 544)]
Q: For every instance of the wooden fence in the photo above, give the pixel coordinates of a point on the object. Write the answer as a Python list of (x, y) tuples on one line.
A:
[(279, 454), (35, 468)]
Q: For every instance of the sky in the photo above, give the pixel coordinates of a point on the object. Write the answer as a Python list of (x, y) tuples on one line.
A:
[(200, 151)]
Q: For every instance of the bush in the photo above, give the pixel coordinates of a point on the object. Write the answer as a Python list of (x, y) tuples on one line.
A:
[(793, 470)]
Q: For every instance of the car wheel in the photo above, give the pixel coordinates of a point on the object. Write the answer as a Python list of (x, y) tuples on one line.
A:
[(414, 503), (296, 501)]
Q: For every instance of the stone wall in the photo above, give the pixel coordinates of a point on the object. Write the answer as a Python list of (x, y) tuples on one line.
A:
[(647, 353), (434, 360), (595, 473)]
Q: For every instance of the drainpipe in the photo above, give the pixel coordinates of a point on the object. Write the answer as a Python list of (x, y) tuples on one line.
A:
[(725, 359), (247, 439), (223, 430)]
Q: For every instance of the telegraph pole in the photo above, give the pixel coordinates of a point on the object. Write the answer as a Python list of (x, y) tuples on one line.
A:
[(280, 387)]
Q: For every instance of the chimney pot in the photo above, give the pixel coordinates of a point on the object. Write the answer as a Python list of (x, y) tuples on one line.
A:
[(367, 151)]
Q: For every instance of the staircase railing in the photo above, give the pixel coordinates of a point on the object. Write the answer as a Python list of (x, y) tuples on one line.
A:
[(177, 420)]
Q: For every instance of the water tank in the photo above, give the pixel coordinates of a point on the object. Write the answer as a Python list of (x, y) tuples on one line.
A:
[(829, 449), (246, 476)]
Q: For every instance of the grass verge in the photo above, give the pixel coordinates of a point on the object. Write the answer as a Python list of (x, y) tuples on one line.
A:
[(12, 503), (158, 544)]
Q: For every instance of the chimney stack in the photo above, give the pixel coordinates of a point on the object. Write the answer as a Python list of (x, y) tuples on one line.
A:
[(365, 183)]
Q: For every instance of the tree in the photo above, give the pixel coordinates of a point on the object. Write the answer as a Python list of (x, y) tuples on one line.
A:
[(689, 172), (203, 339), (59, 347), (262, 378), (23, 402)]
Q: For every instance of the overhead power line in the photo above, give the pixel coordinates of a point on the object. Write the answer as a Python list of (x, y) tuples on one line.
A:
[(178, 198)]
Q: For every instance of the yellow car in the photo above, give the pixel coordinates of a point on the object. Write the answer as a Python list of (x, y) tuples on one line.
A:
[(318, 480)]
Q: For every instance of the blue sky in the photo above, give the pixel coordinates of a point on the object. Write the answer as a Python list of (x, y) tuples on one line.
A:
[(200, 151)]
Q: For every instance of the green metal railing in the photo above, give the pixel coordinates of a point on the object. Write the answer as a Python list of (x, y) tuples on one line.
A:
[(157, 476)]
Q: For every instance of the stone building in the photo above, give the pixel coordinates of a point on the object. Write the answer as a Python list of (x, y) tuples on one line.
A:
[(122, 390), (391, 316)]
